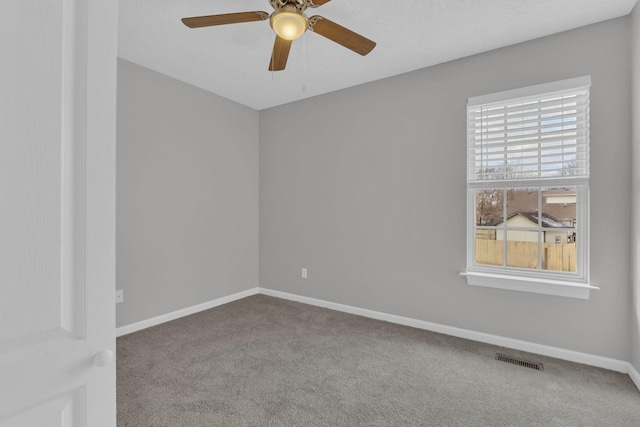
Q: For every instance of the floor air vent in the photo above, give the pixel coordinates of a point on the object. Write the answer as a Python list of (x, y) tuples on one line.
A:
[(519, 362)]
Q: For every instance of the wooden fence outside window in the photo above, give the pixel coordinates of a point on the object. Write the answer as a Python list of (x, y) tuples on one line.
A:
[(555, 256)]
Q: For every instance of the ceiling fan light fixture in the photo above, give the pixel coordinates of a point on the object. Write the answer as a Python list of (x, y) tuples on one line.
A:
[(289, 25), (289, 22)]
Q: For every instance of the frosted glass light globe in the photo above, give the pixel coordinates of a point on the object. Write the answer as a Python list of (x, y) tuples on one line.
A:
[(288, 25)]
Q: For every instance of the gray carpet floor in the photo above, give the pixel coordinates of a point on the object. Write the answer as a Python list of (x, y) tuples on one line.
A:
[(263, 361)]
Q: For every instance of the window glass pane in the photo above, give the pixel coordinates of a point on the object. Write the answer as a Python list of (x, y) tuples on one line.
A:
[(489, 207), (522, 207), (557, 232), (522, 248), (560, 256), (489, 251), (558, 211)]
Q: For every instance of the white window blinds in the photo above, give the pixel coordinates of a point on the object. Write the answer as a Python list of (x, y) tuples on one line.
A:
[(532, 134)]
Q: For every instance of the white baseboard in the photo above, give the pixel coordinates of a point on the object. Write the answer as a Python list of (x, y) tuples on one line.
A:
[(558, 353), (634, 375), (134, 327)]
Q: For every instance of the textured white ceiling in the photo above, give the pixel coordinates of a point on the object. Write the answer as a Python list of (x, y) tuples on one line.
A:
[(232, 60)]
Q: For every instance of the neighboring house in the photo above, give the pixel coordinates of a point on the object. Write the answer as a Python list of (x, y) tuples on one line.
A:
[(530, 220), (558, 210)]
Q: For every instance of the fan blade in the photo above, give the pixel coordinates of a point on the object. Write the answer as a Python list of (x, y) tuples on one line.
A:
[(280, 54), (341, 35), (316, 3), (228, 18)]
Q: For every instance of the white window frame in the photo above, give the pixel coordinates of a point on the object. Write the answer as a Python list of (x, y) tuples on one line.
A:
[(567, 284)]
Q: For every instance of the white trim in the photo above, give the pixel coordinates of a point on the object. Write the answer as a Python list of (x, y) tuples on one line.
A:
[(144, 324), (545, 88), (522, 183), (545, 350), (634, 375), (533, 285)]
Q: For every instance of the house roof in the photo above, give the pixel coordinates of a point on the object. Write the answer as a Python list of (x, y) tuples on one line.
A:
[(524, 201), (547, 220), (490, 208)]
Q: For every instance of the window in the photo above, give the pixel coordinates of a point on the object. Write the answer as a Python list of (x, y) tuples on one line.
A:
[(528, 189)]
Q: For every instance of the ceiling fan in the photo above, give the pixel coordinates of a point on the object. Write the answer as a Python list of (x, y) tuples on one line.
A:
[(289, 22)]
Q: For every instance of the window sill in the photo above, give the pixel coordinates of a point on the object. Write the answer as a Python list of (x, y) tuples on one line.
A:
[(529, 284)]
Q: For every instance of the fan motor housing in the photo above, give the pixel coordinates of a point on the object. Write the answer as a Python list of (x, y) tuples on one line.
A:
[(300, 5)]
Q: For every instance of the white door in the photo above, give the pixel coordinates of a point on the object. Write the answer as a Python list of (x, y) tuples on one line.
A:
[(57, 212)]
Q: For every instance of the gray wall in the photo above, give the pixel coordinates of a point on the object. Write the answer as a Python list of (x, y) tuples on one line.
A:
[(187, 195), (635, 196), (366, 187)]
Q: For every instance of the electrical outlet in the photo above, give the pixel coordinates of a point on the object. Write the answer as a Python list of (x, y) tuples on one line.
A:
[(119, 296), (304, 273)]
